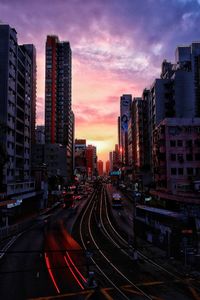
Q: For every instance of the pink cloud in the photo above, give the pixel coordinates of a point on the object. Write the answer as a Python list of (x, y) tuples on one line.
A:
[(117, 48), (90, 116)]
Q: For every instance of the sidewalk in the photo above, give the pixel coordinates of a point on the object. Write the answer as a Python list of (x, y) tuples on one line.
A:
[(23, 223)]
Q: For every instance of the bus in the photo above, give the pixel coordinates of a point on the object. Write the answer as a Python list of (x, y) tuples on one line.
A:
[(117, 201)]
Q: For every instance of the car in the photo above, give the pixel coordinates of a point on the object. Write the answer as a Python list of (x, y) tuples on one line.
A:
[(77, 197)]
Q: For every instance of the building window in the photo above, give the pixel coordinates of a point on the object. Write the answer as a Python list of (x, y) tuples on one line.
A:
[(173, 157), (180, 158), (162, 131), (189, 143), (188, 129), (180, 143), (173, 171), (197, 156), (180, 171), (197, 142), (189, 157), (172, 143), (189, 171)]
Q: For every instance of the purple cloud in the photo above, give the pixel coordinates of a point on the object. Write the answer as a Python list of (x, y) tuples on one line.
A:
[(117, 47)]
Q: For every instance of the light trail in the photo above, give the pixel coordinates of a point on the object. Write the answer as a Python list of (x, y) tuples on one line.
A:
[(74, 275), (77, 270), (50, 273)]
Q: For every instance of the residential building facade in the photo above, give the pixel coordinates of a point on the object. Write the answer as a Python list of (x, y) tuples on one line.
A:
[(59, 118), (100, 167), (80, 158), (176, 156), (125, 109), (17, 114), (91, 158), (40, 134)]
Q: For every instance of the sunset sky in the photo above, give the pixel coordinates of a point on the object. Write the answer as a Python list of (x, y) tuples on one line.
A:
[(117, 48)]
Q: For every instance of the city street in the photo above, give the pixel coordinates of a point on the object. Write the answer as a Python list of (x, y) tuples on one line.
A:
[(100, 150), (46, 261)]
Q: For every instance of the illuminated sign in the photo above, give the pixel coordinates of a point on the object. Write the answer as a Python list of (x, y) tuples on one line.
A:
[(115, 173), (17, 202)]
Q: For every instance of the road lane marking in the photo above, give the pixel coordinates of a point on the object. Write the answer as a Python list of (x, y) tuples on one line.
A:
[(106, 294), (194, 293), (87, 293)]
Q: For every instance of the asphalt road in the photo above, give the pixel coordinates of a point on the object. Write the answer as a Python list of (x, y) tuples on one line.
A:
[(38, 263), (22, 270)]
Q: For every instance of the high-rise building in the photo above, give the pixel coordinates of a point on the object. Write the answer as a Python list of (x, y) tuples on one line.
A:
[(111, 160), (188, 65), (91, 158), (39, 134), (70, 147), (125, 109), (53, 156), (176, 159), (17, 113), (119, 130), (139, 134), (116, 158), (177, 92), (80, 158), (59, 118), (107, 167), (181, 82), (100, 167), (32, 53)]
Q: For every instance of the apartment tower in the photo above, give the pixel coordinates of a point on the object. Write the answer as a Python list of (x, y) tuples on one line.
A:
[(59, 120), (17, 113)]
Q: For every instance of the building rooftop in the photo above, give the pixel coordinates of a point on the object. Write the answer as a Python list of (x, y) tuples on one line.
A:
[(160, 211)]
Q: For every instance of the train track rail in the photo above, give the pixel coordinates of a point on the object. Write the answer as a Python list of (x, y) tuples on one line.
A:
[(121, 243), (104, 265)]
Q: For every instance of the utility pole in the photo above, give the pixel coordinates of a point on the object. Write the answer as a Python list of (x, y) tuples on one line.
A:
[(135, 254), (168, 243)]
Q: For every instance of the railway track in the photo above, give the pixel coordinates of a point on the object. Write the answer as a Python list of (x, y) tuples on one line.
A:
[(120, 242), (110, 257), (101, 260)]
